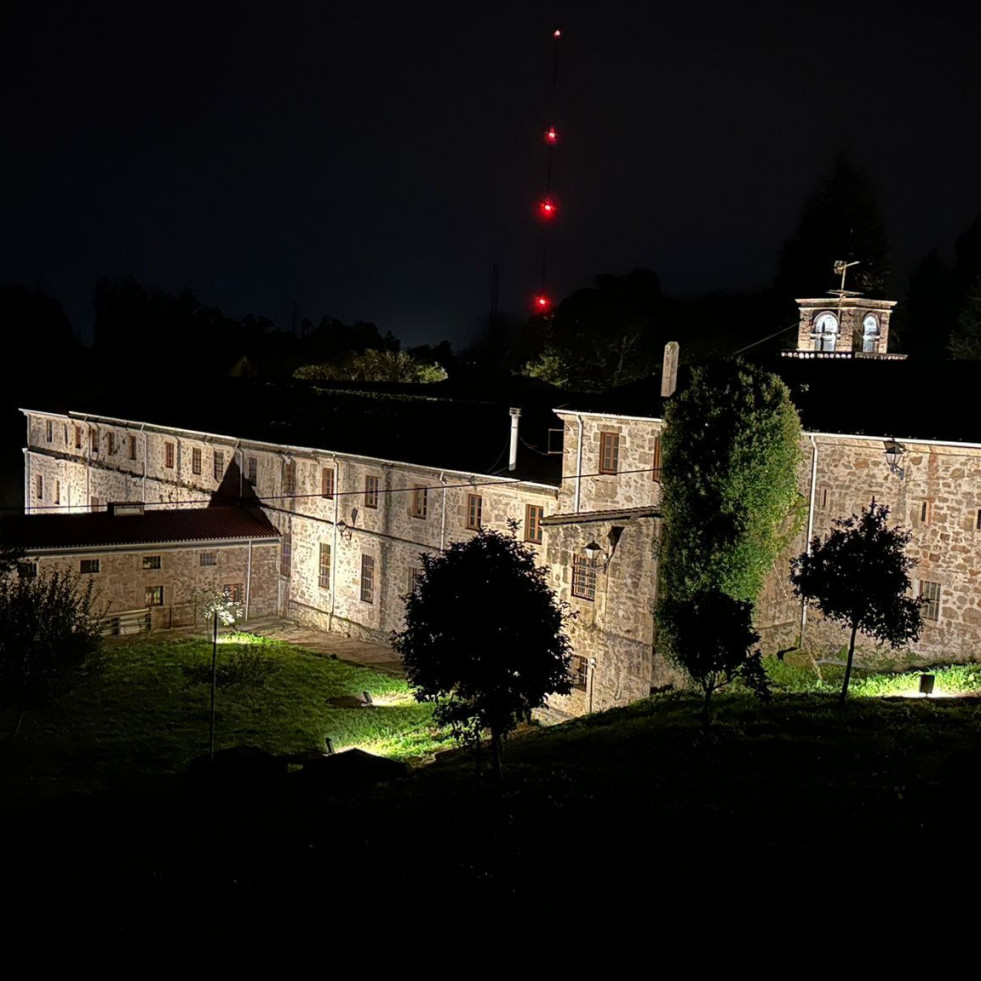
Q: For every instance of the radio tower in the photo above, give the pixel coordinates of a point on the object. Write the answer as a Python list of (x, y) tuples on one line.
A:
[(548, 207)]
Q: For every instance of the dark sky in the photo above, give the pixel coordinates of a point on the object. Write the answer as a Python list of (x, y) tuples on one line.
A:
[(371, 161)]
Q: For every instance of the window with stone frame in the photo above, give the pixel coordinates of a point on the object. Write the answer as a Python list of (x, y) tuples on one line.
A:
[(39, 487), (977, 521), (823, 497), (57, 493), (583, 577), (88, 567), (78, 437), (154, 596), (367, 578), (151, 562), (371, 491), (474, 511), (207, 558), (27, 570), (252, 470), (324, 579), (929, 599), (533, 523), (579, 671), (656, 462), (94, 503), (132, 447), (111, 443), (289, 477), (196, 460), (926, 512), (49, 431), (327, 483), (169, 455), (218, 465), (286, 555), (609, 452), (415, 574), (94, 441), (419, 504)]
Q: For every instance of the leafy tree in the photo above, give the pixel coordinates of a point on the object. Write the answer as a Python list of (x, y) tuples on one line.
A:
[(731, 456), (374, 366), (49, 635), (965, 341), (858, 576), (490, 672), (712, 639)]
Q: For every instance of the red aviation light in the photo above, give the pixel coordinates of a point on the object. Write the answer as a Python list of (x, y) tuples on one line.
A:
[(557, 33), (547, 209), (542, 303), (551, 136)]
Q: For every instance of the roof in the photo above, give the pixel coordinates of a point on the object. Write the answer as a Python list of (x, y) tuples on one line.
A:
[(34, 532), (463, 427), (589, 517)]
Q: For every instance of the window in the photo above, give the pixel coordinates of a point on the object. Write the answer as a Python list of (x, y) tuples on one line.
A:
[(474, 508), (88, 567), (656, 462), (196, 461), (583, 577), (49, 431), (929, 600), (415, 574), (926, 512), (234, 591), (609, 452), (371, 492), (27, 570), (824, 497), (253, 468), (153, 596), (57, 497), (94, 441), (132, 447), (977, 521), (151, 561), (218, 465), (66, 433), (533, 523), (111, 443), (579, 671), (39, 487), (78, 437), (94, 504), (169, 456), (208, 558), (367, 579), (289, 477), (870, 334), (420, 498), (327, 482), (286, 555), (825, 332), (324, 565)]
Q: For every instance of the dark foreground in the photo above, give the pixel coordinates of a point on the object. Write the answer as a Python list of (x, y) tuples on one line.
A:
[(623, 835)]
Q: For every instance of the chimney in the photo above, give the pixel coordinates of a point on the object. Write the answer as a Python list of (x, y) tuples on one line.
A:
[(513, 458), (669, 369)]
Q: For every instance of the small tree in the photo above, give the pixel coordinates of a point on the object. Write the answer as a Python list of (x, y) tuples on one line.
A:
[(49, 634), (712, 640), (484, 633), (858, 576)]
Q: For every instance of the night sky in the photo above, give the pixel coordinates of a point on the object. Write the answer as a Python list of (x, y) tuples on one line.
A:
[(372, 161)]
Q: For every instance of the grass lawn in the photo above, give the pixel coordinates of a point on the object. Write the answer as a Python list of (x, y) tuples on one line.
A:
[(147, 712)]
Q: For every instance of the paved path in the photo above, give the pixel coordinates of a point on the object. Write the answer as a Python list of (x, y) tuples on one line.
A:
[(366, 653)]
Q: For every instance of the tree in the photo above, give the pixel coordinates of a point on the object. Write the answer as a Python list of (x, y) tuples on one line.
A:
[(965, 340), (712, 639), (484, 637), (374, 366), (49, 635), (729, 492), (858, 576)]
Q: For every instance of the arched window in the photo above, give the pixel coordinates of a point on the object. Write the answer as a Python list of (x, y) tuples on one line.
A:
[(870, 333), (825, 332)]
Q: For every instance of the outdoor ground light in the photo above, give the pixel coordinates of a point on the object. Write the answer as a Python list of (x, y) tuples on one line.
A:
[(330, 745), (926, 684), (367, 698)]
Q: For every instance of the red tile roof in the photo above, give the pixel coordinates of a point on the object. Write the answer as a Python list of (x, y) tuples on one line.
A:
[(33, 532)]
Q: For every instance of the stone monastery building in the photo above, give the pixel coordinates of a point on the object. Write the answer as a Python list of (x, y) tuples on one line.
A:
[(317, 503)]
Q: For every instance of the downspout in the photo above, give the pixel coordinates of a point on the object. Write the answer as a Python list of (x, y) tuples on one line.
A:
[(810, 531), (88, 464), (442, 516), (579, 464), (513, 454), (248, 582), (241, 464), (27, 479), (334, 558), (143, 432)]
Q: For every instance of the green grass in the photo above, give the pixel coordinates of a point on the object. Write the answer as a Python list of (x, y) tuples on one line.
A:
[(147, 712)]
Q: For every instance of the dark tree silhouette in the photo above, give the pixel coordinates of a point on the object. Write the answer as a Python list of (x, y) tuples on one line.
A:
[(841, 220), (858, 576), (485, 636), (49, 632), (712, 640), (921, 325)]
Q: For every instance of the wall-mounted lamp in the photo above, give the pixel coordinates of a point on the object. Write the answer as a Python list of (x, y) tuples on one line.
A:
[(344, 529), (894, 453), (594, 550)]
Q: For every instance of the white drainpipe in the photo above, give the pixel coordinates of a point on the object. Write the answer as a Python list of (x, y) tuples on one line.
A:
[(334, 558), (579, 464), (143, 433), (442, 515)]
